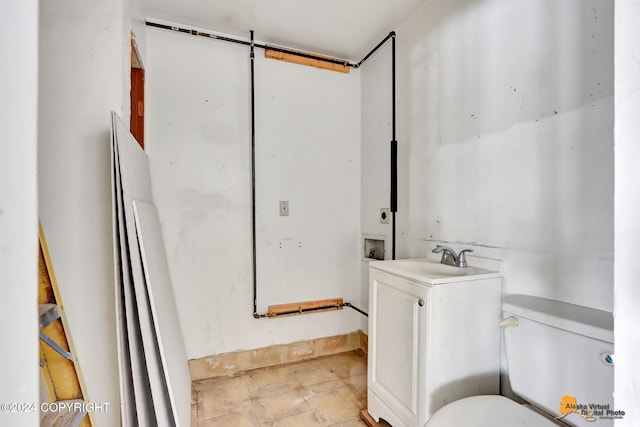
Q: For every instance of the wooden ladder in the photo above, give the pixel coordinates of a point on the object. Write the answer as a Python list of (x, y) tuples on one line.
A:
[(58, 365)]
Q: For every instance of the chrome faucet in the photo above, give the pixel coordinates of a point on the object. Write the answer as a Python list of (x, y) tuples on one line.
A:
[(449, 256)]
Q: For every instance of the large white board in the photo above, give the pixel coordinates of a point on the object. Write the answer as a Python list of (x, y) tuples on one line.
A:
[(163, 310), (136, 184), (128, 352)]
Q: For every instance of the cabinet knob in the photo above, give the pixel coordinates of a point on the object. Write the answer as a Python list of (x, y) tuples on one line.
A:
[(420, 302)]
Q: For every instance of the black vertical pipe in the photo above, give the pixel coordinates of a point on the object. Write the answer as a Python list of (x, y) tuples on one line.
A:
[(253, 188), (394, 149), (394, 195), (253, 183), (393, 84)]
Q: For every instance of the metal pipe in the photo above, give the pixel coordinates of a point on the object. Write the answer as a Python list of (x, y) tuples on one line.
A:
[(378, 46), (393, 235), (394, 194), (394, 150), (344, 62), (254, 269), (348, 304), (252, 43), (393, 86), (311, 309), (305, 310), (196, 33)]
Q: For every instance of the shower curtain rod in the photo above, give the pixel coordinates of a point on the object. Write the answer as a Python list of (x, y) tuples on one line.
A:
[(240, 41)]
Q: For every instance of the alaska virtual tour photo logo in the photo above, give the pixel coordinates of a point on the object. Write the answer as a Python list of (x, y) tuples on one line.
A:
[(588, 411)]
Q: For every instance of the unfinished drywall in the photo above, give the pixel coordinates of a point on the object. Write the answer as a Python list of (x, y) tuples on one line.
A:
[(505, 127), (18, 214), (308, 153), (627, 206), (163, 310), (83, 75)]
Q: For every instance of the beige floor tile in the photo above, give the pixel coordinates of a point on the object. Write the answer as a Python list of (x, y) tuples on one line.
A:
[(327, 391), (354, 422), (276, 406), (311, 374), (232, 419), (358, 386), (225, 395), (215, 408), (347, 364), (306, 419), (270, 381), (218, 384), (334, 406), (321, 388)]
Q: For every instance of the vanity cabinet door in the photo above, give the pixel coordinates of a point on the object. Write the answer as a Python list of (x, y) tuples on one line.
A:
[(397, 322)]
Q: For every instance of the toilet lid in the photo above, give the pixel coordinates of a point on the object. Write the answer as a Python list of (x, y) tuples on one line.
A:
[(483, 411)]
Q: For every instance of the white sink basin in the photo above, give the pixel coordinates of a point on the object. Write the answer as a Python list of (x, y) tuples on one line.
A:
[(432, 272)]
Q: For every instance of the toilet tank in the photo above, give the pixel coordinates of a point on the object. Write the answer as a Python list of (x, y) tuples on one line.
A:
[(559, 349)]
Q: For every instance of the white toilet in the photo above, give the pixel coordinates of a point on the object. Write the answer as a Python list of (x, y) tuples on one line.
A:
[(553, 350)]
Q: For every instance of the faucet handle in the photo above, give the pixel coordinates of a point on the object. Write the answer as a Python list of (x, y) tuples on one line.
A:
[(462, 259)]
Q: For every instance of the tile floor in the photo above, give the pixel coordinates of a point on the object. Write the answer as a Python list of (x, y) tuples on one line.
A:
[(327, 391)]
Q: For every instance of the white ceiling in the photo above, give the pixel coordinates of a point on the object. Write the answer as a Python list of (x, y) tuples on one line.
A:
[(343, 28)]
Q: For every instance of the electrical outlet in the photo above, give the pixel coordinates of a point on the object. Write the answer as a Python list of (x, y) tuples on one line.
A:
[(284, 208), (384, 215)]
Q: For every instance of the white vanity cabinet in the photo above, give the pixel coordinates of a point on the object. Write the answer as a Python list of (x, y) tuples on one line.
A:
[(430, 341)]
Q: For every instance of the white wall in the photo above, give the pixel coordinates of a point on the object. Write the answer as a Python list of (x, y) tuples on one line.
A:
[(83, 75), (376, 128), (308, 152), (505, 128), (18, 210), (627, 206)]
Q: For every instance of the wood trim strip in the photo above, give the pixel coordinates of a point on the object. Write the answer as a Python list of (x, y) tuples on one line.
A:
[(295, 308), (301, 60)]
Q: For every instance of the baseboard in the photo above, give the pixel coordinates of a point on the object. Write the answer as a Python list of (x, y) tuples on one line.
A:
[(364, 342), (246, 360)]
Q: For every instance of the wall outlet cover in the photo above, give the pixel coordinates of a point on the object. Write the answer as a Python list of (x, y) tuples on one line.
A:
[(384, 215), (284, 208)]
